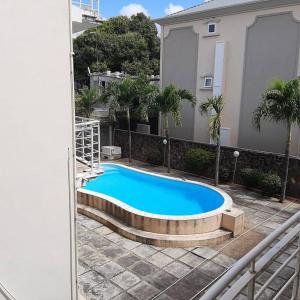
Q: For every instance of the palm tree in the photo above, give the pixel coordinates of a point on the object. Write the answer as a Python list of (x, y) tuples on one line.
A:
[(86, 101), (169, 101), (281, 103), (215, 106), (129, 95)]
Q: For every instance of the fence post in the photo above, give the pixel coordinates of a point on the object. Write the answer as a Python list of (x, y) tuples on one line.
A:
[(251, 284)]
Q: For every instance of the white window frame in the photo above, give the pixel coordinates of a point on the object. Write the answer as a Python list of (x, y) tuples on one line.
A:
[(205, 82), (209, 24)]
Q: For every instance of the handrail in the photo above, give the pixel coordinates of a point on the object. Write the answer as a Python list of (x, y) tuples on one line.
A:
[(5, 293), (249, 259)]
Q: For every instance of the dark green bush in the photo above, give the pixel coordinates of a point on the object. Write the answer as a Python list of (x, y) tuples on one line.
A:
[(155, 157), (271, 184), (196, 160), (251, 177)]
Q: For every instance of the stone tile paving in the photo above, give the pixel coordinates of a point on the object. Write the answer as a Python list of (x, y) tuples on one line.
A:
[(113, 267)]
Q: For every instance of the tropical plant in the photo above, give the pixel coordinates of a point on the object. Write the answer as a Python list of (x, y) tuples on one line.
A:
[(131, 96), (281, 103), (86, 101), (169, 102), (214, 106)]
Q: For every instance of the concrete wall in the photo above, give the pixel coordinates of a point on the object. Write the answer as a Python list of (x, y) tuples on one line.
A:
[(180, 68), (231, 30), (272, 48), (37, 249), (143, 144)]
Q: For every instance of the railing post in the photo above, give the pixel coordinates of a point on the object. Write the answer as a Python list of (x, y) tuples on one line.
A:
[(251, 284), (296, 285)]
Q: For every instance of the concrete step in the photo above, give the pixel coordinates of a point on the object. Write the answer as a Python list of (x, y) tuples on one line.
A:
[(150, 238)]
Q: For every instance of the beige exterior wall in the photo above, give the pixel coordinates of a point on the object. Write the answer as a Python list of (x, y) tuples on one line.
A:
[(37, 252), (231, 29)]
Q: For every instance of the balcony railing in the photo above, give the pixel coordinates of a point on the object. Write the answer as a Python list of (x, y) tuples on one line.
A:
[(233, 283)]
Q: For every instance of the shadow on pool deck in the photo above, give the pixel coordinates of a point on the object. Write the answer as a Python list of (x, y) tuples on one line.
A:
[(113, 267)]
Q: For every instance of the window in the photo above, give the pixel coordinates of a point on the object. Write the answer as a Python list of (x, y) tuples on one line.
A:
[(208, 81), (212, 27)]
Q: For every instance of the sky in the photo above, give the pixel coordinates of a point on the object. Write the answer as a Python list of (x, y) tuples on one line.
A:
[(152, 8)]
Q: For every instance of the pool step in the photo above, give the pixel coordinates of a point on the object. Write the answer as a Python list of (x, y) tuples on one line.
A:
[(155, 239)]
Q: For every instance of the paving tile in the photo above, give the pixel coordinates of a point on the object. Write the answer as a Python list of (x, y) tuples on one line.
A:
[(82, 268), (128, 260), (109, 270), (205, 252), (98, 242), (177, 269), (113, 251), (174, 252), (124, 296), (211, 269), (197, 279), (126, 280), (89, 280), (181, 291), (191, 259), (90, 224), (143, 291), (97, 259), (160, 259), (285, 273), (275, 285), (103, 230), (128, 244), (85, 251), (224, 260), (114, 237), (104, 291), (143, 269), (161, 279), (144, 251), (163, 297)]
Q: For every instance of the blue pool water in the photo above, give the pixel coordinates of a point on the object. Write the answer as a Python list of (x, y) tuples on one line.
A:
[(153, 194)]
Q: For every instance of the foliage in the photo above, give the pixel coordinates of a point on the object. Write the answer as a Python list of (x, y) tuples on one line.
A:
[(269, 183), (251, 177), (196, 160), (225, 174), (281, 103), (155, 157), (86, 100), (122, 44), (215, 106)]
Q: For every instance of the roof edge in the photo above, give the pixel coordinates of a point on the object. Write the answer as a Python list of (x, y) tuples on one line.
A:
[(227, 10)]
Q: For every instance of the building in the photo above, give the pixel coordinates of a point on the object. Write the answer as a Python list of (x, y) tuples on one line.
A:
[(85, 16), (37, 251), (234, 48)]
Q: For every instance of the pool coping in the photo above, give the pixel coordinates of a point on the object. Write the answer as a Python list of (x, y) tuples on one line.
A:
[(226, 206)]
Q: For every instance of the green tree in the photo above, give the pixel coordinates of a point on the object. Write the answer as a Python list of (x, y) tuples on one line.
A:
[(169, 102), (121, 44), (131, 96), (214, 107), (86, 101), (281, 103)]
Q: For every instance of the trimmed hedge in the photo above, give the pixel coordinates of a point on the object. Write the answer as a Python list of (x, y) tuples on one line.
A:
[(269, 183), (196, 160), (155, 157)]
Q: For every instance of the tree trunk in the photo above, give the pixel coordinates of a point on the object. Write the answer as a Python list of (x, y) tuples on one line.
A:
[(129, 136), (217, 168), (286, 163)]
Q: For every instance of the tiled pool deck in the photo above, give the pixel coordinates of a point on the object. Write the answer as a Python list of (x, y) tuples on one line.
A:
[(113, 267)]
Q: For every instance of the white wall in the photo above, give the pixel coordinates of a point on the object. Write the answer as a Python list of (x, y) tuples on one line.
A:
[(36, 200)]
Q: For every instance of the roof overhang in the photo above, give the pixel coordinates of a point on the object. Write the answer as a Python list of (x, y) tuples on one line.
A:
[(225, 10)]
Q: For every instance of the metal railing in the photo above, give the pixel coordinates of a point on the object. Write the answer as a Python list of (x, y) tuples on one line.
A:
[(257, 260)]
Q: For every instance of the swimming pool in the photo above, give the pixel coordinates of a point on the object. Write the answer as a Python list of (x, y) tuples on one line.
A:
[(155, 194)]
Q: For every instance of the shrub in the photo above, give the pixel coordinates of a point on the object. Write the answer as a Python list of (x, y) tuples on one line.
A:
[(155, 157), (251, 177), (271, 184), (196, 160)]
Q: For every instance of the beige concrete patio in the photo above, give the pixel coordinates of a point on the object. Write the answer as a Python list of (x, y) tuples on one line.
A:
[(113, 267)]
